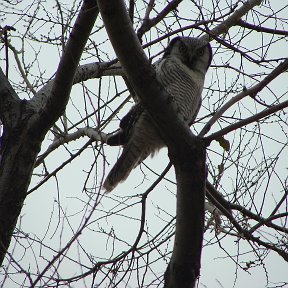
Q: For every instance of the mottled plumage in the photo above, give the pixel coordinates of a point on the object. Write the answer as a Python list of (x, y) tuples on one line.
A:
[(181, 71)]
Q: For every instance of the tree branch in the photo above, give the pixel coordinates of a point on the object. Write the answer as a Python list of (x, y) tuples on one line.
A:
[(148, 23), (184, 267), (176, 134), (246, 234), (246, 121), (93, 134), (25, 126), (262, 29), (222, 204), (233, 19), (83, 73), (9, 101), (62, 84), (282, 67), (141, 75)]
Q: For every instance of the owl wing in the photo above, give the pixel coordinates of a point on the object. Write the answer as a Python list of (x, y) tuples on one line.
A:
[(127, 125), (142, 140)]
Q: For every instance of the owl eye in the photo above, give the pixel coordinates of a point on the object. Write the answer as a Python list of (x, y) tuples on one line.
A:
[(182, 48), (200, 52)]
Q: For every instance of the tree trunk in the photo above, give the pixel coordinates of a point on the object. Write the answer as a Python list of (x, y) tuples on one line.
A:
[(184, 267)]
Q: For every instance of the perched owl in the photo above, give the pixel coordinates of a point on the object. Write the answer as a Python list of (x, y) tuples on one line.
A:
[(181, 71)]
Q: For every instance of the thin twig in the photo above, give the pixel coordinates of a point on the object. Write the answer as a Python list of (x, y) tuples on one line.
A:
[(251, 92), (246, 121), (262, 29)]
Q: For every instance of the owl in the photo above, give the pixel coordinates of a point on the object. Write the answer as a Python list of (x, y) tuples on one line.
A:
[(181, 71)]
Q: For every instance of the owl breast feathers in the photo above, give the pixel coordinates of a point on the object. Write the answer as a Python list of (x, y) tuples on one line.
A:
[(181, 71)]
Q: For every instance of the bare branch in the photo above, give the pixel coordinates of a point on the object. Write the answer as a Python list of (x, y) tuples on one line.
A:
[(65, 74), (246, 121), (22, 72), (53, 173), (148, 23), (233, 19), (222, 204), (93, 134), (262, 29), (252, 92)]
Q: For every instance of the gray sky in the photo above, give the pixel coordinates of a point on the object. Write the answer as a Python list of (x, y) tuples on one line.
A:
[(54, 212)]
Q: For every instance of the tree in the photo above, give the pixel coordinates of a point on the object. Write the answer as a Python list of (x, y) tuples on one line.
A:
[(47, 125)]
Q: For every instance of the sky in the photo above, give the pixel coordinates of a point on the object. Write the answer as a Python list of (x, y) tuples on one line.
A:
[(53, 213)]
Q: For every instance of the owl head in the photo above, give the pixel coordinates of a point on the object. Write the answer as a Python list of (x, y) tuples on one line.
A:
[(193, 52)]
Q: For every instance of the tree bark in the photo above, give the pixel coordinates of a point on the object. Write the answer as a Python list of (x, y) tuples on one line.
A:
[(18, 152), (184, 267)]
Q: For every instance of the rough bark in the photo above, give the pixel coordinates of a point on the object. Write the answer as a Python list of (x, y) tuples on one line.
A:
[(18, 152)]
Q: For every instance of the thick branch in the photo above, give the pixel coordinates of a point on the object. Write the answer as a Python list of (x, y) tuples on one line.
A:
[(184, 267), (233, 19), (140, 73), (178, 137), (26, 126), (8, 100), (62, 84), (11, 113)]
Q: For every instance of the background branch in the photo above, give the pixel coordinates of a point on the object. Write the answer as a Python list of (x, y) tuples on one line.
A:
[(60, 91), (252, 92), (246, 121)]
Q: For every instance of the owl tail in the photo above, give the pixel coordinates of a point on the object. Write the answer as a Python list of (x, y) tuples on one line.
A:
[(129, 159)]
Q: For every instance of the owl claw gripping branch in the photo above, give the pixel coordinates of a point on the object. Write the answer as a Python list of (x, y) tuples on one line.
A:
[(181, 71)]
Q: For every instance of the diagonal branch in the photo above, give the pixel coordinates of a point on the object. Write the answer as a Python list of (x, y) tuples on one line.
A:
[(148, 23), (93, 134), (246, 121), (140, 72), (233, 19), (184, 148), (26, 126), (62, 84), (248, 235), (262, 29), (282, 67)]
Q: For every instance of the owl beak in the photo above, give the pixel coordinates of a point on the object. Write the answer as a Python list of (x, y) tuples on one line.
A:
[(207, 45)]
